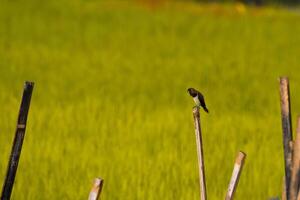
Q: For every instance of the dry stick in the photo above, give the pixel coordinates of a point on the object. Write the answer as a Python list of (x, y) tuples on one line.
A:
[(283, 194), (196, 114), (296, 164), (18, 141), (286, 130), (237, 170), (298, 197), (96, 189)]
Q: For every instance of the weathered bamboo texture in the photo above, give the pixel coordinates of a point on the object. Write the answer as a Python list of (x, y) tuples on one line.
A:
[(18, 142), (237, 170), (96, 189), (286, 130), (295, 177), (198, 133)]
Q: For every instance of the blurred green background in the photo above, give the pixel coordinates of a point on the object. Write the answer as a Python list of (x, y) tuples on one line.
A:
[(110, 96)]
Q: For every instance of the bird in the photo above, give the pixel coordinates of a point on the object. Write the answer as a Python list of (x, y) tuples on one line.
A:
[(198, 98)]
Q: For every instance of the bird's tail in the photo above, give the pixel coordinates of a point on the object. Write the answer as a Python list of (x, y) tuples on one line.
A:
[(206, 110)]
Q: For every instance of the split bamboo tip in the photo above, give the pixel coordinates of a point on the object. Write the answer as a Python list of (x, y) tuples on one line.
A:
[(284, 80), (240, 158), (97, 182), (29, 83)]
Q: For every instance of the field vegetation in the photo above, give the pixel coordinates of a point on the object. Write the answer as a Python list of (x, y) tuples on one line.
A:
[(110, 96)]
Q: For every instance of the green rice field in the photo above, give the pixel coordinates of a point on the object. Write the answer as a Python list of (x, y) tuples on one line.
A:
[(110, 96)]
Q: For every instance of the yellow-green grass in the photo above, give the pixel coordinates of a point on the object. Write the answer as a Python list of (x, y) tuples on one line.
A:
[(110, 97)]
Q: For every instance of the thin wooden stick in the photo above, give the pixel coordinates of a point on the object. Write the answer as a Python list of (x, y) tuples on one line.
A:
[(237, 170), (96, 189), (198, 133), (283, 194), (298, 196), (296, 164), (286, 130), (18, 141)]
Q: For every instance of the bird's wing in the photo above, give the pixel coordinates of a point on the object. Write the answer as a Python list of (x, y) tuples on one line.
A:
[(201, 98)]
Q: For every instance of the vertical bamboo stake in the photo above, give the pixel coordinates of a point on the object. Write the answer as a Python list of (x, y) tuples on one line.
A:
[(283, 194), (198, 133), (18, 141), (286, 130), (296, 164), (96, 189), (298, 196), (237, 170)]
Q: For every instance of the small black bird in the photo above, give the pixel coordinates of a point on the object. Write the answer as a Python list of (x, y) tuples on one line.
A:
[(198, 98)]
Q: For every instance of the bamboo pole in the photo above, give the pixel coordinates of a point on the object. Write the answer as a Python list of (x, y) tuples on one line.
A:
[(96, 189), (18, 141), (283, 194), (295, 177), (196, 114), (286, 130), (237, 170), (298, 197)]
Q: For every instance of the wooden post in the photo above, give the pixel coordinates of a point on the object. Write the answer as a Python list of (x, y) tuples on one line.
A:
[(298, 196), (198, 133), (296, 164), (96, 189), (286, 130), (283, 194), (237, 170), (18, 141)]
